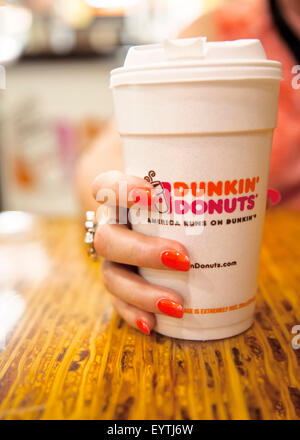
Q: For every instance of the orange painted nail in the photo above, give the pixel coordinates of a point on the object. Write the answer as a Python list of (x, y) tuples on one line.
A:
[(170, 308), (143, 196), (274, 196), (176, 260), (143, 326)]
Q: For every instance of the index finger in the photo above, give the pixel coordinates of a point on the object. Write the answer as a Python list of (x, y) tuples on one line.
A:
[(127, 189)]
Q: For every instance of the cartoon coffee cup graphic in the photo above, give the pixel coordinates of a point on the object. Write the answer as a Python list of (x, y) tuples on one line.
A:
[(162, 205)]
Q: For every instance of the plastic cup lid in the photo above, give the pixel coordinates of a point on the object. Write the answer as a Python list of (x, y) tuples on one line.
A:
[(195, 59)]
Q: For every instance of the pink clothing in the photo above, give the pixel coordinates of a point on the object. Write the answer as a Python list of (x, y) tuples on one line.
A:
[(252, 19)]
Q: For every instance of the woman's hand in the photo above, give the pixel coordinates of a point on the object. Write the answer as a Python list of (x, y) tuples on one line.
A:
[(122, 249)]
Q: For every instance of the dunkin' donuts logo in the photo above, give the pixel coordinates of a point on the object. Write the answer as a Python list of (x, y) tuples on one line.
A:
[(198, 198)]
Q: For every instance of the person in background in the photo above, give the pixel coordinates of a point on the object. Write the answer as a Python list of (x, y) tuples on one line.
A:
[(277, 24)]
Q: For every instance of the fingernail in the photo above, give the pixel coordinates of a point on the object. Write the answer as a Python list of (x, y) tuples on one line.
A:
[(274, 196), (143, 196), (143, 326), (176, 260), (170, 308)]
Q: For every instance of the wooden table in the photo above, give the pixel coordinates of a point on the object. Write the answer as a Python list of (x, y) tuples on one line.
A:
[(70, 357)]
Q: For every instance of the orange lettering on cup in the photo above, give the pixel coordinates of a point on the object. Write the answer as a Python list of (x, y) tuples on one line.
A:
[(180, 189), (219, 309), (215, 188)]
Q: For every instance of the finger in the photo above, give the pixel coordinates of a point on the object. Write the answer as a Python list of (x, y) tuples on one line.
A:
[(118, 244), (139, 319), (135, 290), (122, 189)]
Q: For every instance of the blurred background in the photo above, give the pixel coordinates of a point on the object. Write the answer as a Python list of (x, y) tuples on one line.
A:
[(58, 55)]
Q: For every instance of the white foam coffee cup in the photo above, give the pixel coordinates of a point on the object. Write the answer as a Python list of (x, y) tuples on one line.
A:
[(194, 116)]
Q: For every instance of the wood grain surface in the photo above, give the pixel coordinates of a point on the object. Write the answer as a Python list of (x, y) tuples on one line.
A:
[(70, 357)]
